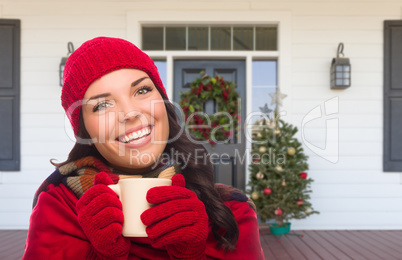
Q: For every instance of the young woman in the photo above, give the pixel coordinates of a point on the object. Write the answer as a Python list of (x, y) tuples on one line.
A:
[(125, 126)]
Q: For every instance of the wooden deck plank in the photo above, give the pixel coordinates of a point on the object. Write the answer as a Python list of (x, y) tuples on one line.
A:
[(12, 239), (265, 248), (358, 235), (389, 239), (390, 249), (372, 251), (14, 253), (12, 244), (393, 236), (276, 248), (7, 235), (344, 247), (327, 245), (304, 249), (364, 252), (293, 251), (320, 250), (333, 250)]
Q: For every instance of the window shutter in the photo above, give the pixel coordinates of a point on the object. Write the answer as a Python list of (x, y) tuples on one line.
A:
[(10, 94), (392, 96)]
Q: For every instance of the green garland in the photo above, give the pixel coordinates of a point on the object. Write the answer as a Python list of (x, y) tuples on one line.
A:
[(226, 98)]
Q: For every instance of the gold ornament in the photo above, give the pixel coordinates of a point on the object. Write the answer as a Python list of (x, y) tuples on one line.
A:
[(283, 183), (259, 175), (268, 123), (259, 135), (291, 151), (278, 168), (254, 195), (308, 210), (277, 131), (271, 124), (263, 149)]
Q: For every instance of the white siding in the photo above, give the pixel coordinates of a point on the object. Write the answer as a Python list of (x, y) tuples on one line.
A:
[(351, 194)]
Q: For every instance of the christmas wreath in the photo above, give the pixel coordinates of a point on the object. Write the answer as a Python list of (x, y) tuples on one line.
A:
[(216, 127)]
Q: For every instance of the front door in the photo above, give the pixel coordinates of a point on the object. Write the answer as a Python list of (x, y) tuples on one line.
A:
[(229, 159)]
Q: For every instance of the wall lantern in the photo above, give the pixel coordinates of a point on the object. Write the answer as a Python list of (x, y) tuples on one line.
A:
[(70, 48), (340, 71)]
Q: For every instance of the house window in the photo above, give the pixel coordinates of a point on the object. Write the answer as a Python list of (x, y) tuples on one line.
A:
[(243, 39), (198, 38), (153, 36), (266, 38), (175, 38), (212, 38)]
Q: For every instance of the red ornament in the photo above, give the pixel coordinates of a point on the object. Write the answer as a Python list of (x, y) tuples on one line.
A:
[(303, 175), (278, 212), (267, 191), (300, 202)]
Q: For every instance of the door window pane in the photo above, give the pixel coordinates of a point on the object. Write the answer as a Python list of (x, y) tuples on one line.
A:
[(220, 38), (152, 38), (198, 38), (264, 73), (261, 97), (243, 38), (266, 39), (175, 38), (161, 65), (264, 76)]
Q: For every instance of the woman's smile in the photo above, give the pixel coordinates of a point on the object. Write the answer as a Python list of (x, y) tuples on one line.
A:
[(134, 134), (135, 138)]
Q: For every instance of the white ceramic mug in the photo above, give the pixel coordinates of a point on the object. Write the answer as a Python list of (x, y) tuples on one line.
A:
[(132, 193)]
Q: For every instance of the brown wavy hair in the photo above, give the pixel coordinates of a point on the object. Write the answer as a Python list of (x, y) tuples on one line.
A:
[(199, 177)]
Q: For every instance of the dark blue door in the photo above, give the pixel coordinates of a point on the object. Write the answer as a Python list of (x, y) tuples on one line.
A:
[(230, 159)]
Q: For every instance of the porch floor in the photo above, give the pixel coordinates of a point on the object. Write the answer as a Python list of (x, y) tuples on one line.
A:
[(342, 244)]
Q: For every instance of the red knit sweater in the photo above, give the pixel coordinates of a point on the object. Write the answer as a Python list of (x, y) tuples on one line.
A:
[(55, 233)]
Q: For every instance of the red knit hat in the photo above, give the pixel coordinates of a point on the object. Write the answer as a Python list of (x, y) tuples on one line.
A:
[(94, 59)]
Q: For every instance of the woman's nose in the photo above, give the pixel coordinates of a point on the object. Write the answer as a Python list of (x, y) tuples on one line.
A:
[(125, 116), (129, 111)]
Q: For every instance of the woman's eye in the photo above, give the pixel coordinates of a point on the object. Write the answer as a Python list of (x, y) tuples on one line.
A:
[(143, 90), (101, 106)]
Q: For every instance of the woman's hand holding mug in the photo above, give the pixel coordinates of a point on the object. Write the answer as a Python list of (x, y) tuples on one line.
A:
[(101, 217), (177, 221)]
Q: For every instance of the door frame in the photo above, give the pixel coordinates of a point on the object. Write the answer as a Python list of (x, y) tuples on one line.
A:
[(146, 15)]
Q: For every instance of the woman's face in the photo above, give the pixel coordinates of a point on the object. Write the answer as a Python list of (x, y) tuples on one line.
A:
[(126, 118)]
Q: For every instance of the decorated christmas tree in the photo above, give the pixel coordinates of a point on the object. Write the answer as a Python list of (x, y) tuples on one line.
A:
[(279, 182)]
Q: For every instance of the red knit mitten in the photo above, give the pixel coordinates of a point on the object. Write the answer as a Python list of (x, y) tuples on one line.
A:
[(101, 218), (178, 221)]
